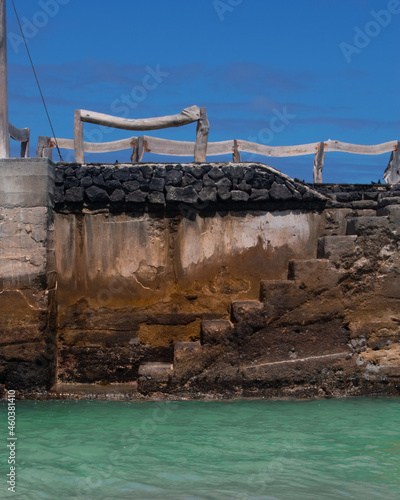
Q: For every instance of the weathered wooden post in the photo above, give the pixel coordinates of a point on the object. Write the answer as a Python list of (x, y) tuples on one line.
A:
[(203, 127), (236, 156), (319, 163), (4, 130), (392, 172), (78, 137)]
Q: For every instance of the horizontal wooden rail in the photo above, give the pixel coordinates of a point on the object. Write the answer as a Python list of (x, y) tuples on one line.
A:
[(358, 149), (21, 135), (155, 145), (186, 116)]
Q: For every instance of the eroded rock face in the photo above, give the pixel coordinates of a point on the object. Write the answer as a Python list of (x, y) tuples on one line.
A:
[(325, 328), (330, 329)]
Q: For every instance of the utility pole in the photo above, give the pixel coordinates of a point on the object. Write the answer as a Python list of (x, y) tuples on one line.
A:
[(4, 131)]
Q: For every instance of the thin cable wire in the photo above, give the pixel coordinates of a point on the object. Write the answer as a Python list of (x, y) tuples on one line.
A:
[(37, 81)]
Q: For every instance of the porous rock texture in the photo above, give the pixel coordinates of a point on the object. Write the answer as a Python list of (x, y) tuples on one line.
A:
[(198, 186), (330, 329)]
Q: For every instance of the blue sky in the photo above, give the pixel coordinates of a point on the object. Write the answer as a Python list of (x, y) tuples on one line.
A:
[(327, 69)]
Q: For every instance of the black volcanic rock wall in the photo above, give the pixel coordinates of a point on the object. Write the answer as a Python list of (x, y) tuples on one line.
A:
[(201, 186), (359, 196)]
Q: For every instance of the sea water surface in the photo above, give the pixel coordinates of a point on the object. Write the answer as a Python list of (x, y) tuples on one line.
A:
[(191, 450)]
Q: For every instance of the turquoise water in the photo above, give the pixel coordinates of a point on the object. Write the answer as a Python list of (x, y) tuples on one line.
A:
[(247, 450)]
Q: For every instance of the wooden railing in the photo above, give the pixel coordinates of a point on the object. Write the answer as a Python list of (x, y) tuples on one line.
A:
[(21, 135), (202, 147), (188, 115), (158, 146)]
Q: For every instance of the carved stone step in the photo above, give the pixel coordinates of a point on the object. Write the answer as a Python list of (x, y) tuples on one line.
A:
[(154, 377), (315, 274), (156, 371), (214, 331), (367, 225), (187, 359), (95, 391), (182, 349), (336, 248), (269, 289), (281, 296), (336, 219), (392, 212), (245, 310)]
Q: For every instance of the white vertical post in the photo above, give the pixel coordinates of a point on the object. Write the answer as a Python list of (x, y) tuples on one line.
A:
[(4, 132)]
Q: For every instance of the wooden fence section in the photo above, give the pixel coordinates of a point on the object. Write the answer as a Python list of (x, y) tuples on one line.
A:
[(155, 145), (188, 115)]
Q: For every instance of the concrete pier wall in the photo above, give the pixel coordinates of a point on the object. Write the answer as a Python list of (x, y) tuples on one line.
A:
[(226, 279), (27, 273)]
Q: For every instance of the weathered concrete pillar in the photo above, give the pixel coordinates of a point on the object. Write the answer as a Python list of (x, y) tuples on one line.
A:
[(27, 273)]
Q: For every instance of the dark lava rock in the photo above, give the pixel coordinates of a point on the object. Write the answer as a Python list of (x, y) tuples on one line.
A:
[(59, 196), (223, 188), (92, 171), (259, 195), (71, 182), (98, 180), (107, 173), (117, 196), (280, 192), (196, 171), (208, 182), (136, 197), (262, 182), (183, 194), (243, 186), (98, 194), (239, 196), (248, 174), (80, 172), (135, 174), (157, 184), (131, 185), (70, 171), (208, 194), (59, 176), (86, 182), (224, 194), (224, 183), (233, 171), (173, 177), (343, 197), (159, 172), (74, 194), (157, 198), (215, 173), (187, 180), (147, 171), (112, 185), (121, 174)]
